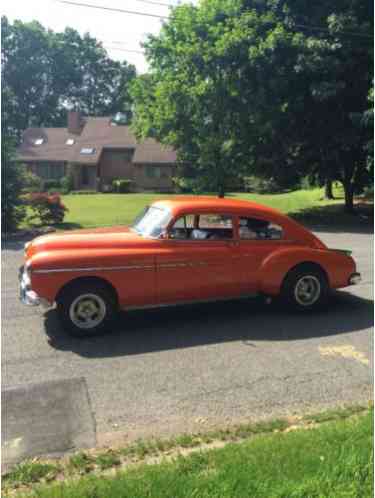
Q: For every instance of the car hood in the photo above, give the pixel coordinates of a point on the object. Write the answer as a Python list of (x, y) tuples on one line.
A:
[(86, 239)]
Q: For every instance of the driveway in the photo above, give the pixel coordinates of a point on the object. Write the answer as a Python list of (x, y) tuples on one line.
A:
[(182, 369)]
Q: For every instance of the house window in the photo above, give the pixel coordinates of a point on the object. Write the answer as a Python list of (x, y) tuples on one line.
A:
[(50, 171), (38, 141), (127, 155), (70, 141), (153, 172), (87, 151)]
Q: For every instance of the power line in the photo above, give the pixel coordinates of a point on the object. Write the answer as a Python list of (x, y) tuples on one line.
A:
[(123, 49), (111, 9), (156, 3), (114, 42), (344, 32), (100, 7)]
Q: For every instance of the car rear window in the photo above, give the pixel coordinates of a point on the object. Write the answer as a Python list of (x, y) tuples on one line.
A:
[(259, 229)]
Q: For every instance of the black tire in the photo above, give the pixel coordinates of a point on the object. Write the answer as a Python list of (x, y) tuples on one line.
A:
[(86, 298), (302, 282)]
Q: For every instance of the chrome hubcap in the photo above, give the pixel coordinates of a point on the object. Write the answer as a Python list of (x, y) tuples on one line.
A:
[(87, 311), (307, 290)]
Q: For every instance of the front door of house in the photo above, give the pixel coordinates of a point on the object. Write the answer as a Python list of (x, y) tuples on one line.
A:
[(85, 176)]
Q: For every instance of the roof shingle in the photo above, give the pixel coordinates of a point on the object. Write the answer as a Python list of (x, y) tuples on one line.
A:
[(97, 133)]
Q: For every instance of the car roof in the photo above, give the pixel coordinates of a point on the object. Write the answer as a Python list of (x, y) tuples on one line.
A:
[(186, 203)]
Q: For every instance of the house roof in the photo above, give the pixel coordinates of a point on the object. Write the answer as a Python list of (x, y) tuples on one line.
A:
[(97, 134), (151, 151)]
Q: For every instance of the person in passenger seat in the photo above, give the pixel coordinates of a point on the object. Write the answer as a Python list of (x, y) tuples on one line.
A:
[(198, 234), (246, 233)]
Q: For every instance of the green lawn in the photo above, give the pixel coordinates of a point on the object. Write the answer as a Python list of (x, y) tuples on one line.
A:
[(111, 209), (334, 460)]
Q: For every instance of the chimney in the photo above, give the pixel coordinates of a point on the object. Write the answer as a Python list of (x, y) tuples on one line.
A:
[(74, 122)]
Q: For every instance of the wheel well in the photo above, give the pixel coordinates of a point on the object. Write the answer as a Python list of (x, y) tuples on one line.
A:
[(87, 280), (308, 265)]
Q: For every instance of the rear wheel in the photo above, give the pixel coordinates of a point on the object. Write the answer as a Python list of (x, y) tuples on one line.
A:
[(86, 309), (305, 288)]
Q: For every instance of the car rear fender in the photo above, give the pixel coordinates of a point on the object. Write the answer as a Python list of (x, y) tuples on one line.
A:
[(275, 267)]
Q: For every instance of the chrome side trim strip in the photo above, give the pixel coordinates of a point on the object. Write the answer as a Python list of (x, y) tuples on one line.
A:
[(106, 268), (124, 268), (181, 265)]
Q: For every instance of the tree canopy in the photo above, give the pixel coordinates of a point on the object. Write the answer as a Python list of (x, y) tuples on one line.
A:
[(279, 88), (44, 73)]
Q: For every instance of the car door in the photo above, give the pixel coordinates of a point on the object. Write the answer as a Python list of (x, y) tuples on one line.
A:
[(195, 261), (257, 238)]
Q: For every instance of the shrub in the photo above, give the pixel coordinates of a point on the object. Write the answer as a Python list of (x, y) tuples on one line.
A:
[(50, 185), (12, 206), (56, 191), (48, 208), (185, 185), (67, 183), (261, 185), (122, 186), (32, 182), (84, 192)]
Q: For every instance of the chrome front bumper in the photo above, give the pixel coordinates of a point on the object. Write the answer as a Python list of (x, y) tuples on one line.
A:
[(355, 278), (27, 295)]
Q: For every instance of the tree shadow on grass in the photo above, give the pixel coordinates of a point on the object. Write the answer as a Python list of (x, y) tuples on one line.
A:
[(335, 219), (248, 321)]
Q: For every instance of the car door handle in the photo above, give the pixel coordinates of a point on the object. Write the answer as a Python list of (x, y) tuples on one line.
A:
[(233, 243)]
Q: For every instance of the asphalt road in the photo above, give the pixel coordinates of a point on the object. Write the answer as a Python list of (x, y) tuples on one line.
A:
[(181, 369)]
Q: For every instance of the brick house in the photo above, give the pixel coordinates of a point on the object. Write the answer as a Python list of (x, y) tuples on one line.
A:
[(96, 151)]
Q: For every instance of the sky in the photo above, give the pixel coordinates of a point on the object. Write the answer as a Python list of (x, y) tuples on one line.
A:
[(118, 31)]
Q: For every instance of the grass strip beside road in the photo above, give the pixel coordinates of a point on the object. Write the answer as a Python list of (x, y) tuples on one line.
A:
[(334, 459), (86, 211)]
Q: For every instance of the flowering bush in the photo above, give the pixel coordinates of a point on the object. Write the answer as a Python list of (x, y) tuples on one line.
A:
[(47, 207)]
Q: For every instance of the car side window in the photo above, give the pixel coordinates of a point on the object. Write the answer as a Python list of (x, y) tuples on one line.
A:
[(214, 227), (182, 227), (259, 229), (202, 227)]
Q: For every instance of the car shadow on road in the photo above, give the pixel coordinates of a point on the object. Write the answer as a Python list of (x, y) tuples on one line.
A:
[(247, 321)]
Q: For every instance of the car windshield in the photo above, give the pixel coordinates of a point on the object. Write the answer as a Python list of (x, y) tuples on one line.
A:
[(152, 221)]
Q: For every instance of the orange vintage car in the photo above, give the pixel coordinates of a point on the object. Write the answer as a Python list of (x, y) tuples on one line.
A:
[(181, 250)]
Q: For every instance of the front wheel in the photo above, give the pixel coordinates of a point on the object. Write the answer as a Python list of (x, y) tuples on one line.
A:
[(305, 288), (86, 309)]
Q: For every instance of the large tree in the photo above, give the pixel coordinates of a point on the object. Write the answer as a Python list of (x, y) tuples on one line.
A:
[(273, 87), (337, 59), (197, 97), (88, 78), (44, 73)]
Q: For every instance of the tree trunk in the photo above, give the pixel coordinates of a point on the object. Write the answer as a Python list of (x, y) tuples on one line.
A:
[(349, 196), (328, 193), (221, 192)]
